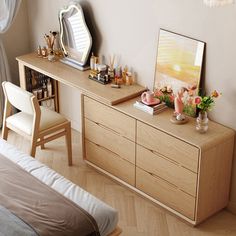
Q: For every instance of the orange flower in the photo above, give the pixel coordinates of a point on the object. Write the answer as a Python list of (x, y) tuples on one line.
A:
[(215, 94)]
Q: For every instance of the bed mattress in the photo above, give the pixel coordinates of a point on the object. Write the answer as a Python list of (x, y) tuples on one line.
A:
[(105, 216)]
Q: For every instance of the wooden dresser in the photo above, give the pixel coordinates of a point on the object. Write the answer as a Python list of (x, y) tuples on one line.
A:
[(174, 166)]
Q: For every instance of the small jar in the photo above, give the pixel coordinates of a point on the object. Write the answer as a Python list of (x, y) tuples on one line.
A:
[(128, 79), (101, 68), (51, 56), (44, 52), (202, 122)]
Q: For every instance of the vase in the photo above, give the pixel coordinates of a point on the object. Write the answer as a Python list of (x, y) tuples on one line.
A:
[(202, 122)]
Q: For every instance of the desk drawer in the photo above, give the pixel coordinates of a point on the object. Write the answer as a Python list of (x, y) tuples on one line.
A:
[(111, 140), (173, 148), (165, 193), (166, 169), (110, 162), (108, 117)]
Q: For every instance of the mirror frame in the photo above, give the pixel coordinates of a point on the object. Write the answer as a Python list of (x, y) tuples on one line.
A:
[(67, 59)]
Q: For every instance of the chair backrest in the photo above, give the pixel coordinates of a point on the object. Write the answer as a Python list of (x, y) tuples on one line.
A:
[(19, 98)]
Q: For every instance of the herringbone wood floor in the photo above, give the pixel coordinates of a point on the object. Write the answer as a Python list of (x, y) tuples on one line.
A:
[(137, 215)]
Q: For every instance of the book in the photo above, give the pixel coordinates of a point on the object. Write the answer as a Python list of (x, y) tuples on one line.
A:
[(151, 109)]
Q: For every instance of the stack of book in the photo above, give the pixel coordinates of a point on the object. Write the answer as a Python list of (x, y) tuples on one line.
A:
[(151, 109)]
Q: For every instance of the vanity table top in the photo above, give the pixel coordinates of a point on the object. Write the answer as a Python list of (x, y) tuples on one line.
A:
[(79, 79)]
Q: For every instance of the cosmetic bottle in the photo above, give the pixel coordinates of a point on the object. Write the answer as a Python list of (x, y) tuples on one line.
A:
[(45, 91), (39, 51), (49, 88), (44, 52), (128, 79), (92, 62)]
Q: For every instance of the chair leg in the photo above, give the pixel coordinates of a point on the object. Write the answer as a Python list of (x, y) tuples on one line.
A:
[(33, 147), (5, 132), (68, 144), (42, 145)]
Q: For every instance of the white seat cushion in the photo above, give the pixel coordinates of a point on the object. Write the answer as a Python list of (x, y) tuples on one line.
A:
[(24, 121)]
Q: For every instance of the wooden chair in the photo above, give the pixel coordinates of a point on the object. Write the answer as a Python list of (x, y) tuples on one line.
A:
[(35, 122)]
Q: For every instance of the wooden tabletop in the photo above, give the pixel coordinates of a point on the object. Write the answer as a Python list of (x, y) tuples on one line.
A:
[(79, 79), (187, 132)]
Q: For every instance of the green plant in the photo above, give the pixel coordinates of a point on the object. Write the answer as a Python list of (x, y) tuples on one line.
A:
[(206, 103)]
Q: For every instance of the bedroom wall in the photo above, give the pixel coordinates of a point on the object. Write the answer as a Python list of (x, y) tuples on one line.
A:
[(130, 30), (16, 40)]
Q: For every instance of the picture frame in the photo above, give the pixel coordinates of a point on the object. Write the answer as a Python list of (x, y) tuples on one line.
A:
[(178, 66)]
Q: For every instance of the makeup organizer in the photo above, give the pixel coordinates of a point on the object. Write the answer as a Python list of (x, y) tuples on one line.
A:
[(43, 87)]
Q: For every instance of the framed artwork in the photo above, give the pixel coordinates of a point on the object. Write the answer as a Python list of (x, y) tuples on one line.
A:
[(178, 66)]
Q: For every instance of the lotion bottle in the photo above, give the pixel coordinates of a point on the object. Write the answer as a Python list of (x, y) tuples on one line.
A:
[(92, 62)]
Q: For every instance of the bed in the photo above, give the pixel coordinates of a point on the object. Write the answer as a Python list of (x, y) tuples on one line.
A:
[(106, 218)]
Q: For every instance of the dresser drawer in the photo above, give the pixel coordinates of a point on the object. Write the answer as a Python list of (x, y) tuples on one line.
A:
[(110, 162), (110, 118), (111, 140), (168, 170), (165, 193), (173, 148)]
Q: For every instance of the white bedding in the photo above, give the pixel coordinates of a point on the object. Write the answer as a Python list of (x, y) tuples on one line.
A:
[(105, 216)]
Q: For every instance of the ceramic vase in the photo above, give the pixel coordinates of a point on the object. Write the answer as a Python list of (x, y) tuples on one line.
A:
[(202, 122)]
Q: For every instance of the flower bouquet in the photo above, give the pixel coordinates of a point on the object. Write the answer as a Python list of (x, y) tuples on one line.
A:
[(204, 104), (165, 94)]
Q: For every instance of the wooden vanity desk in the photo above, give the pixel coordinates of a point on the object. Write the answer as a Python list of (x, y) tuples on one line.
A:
[(174, 166)]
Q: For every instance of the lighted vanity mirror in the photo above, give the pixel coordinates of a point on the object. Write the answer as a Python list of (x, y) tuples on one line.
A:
[(75, 38)]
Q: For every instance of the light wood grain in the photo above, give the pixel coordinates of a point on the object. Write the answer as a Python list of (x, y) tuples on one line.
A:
[(37, 137), (170, 171), (110, 162), (79, 79), (109, 118), (177, 168), (214, 179), (170, 147), (187, 132), (180, 146), (22, 76), (165, 192), (137, 215), (105, 137)]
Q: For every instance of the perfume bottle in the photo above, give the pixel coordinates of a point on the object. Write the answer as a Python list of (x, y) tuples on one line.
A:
[(39, 51)]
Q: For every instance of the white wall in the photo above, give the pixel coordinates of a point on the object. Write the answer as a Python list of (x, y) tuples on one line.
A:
[(130, 30), (16, 40)]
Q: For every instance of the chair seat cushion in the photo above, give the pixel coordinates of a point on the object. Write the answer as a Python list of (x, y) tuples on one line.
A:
[(24, 122)]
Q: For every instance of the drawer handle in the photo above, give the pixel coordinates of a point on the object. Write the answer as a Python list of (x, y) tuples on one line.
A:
[(158, 177), (98, 145), (164, 157), (107, 128)]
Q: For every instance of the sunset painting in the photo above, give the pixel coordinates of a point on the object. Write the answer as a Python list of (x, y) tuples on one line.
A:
[(179, 65)]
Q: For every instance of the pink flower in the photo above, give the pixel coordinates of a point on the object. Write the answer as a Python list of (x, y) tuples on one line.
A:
[(198, 100), (158, 93), (172, 98)]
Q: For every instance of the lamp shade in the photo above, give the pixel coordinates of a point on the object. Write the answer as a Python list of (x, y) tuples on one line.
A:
[(217, 3)]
